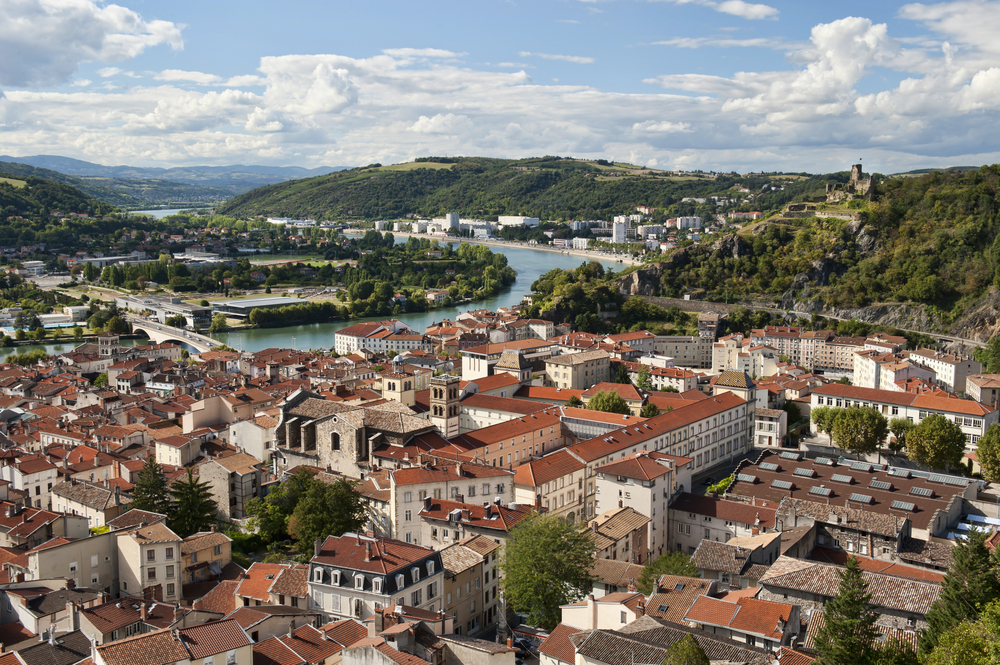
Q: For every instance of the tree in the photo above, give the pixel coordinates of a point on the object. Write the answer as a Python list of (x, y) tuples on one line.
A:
[(970, 642), (793, 411), (269, 516), (936, 442), (848, 633), (39, 333), (117, 325), (77, 334), (101, 381), (988, 451), (193, 507), (824, 417), (669, 563), (546, 564), (90, 272), (219, 323), (643, 381), (900, 427), (649, 411), (574, 401), (686, 651), (151, 491), (610, 402), (860, 430), (969, 584), (622, 375), (176, 321), (327, 509)]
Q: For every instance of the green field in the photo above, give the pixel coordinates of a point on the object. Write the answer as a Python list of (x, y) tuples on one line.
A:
[(16, 183)]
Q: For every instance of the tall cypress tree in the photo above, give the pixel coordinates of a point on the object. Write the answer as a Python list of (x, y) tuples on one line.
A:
[(151, 491), (848, 635), (193, 509), (970, 584)]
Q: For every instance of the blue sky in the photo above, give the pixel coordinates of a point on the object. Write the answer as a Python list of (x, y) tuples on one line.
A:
[(680, 84)]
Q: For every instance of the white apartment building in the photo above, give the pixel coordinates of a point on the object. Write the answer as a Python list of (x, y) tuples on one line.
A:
[(875, 369), (974, 418), (366, 336), (685, 350), (688, 222), (983, 388), (149, 557), (516, 220), (581, 243), (619, 231), (951, 370), (645, 482), (32, 474)]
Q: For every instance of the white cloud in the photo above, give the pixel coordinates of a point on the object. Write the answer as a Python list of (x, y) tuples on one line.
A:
[(421, 53), (261, 120), (245, 80), (578, 59), (442, 124), (664, 127), (81, 83), (724, 42), (42, 42), (109, 71), (200, 78), (747, 10)]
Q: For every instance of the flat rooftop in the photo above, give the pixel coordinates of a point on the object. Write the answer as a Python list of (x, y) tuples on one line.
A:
[(251, 303)]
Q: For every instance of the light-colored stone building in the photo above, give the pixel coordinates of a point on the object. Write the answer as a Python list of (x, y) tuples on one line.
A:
[(578, 371)]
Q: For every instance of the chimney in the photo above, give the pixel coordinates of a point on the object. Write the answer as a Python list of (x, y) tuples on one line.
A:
[(317, 545), (368, 551), (640, 609), (143, 611), (510, 642), (291, 629)]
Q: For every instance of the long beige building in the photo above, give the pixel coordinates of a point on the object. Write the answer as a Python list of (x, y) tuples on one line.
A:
[(578, 371)]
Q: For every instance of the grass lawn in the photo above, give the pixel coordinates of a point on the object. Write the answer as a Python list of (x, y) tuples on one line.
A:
[(14, 183)]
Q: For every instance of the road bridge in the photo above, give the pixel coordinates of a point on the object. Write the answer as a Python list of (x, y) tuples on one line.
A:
[(159, 333)]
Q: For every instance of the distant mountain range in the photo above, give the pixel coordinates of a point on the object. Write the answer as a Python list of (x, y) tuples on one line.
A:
[(135, 186)]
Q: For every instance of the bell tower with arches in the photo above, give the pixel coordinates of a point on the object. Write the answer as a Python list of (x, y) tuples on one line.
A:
[(445, 410)]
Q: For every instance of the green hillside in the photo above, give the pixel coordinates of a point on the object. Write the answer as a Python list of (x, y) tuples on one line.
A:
[(546, 187), (34, 198), (123, 192), (931, 239)]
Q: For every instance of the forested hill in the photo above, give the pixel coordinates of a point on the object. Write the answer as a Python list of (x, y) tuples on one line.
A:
[(546, 187), (35, 198), (925, 253)]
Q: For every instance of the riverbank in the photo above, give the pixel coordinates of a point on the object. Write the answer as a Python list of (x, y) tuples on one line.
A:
[(587, 254)]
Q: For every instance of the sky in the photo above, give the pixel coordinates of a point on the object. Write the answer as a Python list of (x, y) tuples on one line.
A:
[(673, 84)]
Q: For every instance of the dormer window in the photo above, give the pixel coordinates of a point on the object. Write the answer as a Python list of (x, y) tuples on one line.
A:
[(377, 585), (430, 567), (317, 575), (335, 578), (415, 573), (359, 582), (400, 582)]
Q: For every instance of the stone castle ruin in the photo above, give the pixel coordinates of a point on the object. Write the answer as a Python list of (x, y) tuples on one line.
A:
[(856, 187)]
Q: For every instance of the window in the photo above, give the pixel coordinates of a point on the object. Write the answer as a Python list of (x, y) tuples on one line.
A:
[(72, 567), (170, 554), (194, 557), (430, 567), (218, 550), (624, 618), (359, 581), (377, 585), (400, 583), (432, 590), (415, 573), (151, 573), (417, 597), (94, 578), (231, 657), (680, 528), (150, 555), (407, 497), (93, 561), (170, 572), (209, 660), (408, 516), (170, 589), (335, 440)]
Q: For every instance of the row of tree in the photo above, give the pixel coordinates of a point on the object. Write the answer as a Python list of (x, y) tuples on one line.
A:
[(187, 502)]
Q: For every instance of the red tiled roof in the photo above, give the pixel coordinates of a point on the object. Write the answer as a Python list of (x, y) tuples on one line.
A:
[(309, 643), (645, 464), (626, 390), (274, 652), (540, 471), (557, 644), (346, 632), (212, 638), (387, 556), (730, 511)]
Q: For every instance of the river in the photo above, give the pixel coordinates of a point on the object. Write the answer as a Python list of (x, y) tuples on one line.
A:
[(530, 264)]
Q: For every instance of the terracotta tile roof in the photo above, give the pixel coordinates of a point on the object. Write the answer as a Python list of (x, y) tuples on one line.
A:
[(503, 404), (839, 558), (274, 652), (159, 647), (617, 573), (824, 579), (613, 525), (713, 555), (676, 594), (293, 581), (645, 464), (546, 393), (761, 617), (133, 518), (203, 540), (626, 390), (441, 473), (117, 614), (646, 640), (457, 558), (500, 517), (214, 638), (480, 544), (787, 656), (730, 511), (711, 611), (550, 467), (154, 533), (557, 644), (496, 381), (346, 632), (222, 598), (349, 551), (259, 579), (400, 657)]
